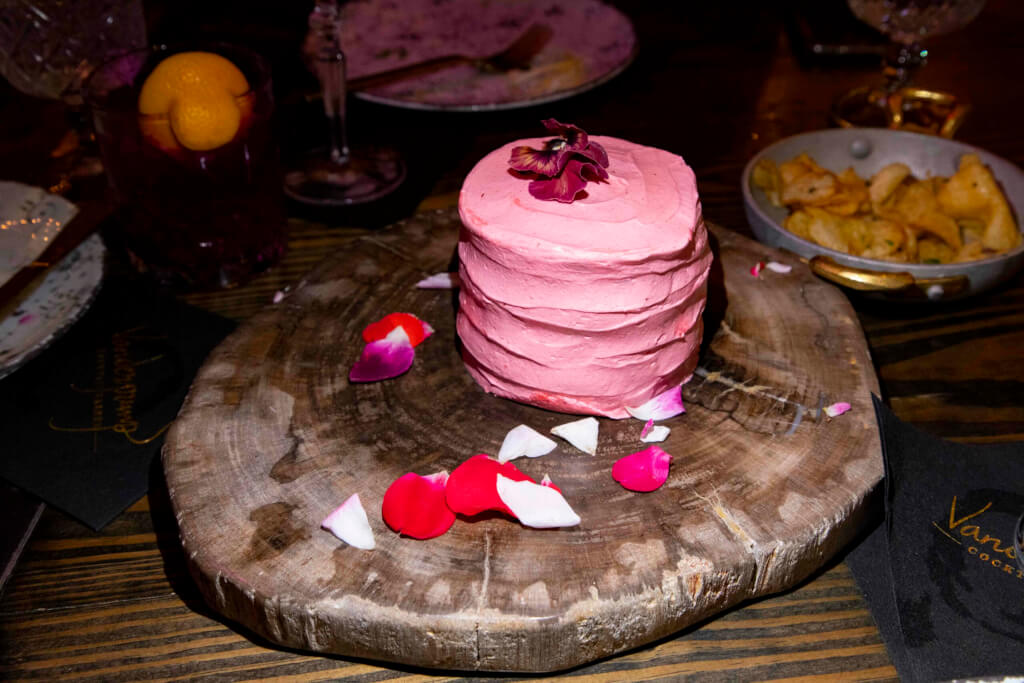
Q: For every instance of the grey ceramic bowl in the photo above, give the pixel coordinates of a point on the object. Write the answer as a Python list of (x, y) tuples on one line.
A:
[(868, 150)]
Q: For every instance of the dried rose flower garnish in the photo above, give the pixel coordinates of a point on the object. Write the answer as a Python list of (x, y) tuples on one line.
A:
[(565, 164)]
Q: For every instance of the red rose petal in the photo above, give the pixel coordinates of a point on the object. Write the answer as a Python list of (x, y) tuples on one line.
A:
[(415, 506), (643, 471), (473, 486), (413, 326)]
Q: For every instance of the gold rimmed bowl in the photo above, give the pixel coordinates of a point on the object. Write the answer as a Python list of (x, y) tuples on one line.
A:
[(867, 150)]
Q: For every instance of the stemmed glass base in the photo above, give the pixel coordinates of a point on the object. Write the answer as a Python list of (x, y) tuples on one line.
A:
[(338, 175), (897, 104), (367, 174)]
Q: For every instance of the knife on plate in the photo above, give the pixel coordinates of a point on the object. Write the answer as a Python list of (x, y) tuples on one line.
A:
[(91, 214)]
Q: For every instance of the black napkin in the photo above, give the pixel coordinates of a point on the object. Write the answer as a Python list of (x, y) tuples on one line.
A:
[(82, 421), (940, 573)]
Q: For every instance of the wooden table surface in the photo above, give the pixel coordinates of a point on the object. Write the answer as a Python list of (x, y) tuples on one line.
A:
[(713, 83)]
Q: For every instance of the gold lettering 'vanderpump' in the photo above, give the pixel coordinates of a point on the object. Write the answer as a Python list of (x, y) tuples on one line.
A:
[(123, 390), (964, 528)]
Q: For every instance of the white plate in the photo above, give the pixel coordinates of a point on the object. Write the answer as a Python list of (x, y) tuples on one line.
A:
[(30, 325)]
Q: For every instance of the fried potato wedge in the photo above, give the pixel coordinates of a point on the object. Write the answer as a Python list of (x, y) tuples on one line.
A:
[(895, 216), (885, 182), (766, 176), (917, 205), (973, 193)]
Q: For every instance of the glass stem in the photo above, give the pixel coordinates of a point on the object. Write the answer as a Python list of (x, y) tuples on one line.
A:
[(326, 22), (901, 63)]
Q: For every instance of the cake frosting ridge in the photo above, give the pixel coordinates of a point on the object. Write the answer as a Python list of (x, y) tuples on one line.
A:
[(589, 306)]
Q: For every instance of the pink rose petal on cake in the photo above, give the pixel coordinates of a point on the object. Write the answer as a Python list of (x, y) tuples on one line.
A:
[(581, 433), (777, 267), (656, 434), (384, 359), (415, 505), (536, 505), (416, 329), (472, 488), (642, 471), (756, 269), (667, 404), (349, 523), (524, 440), (837, 409), (439, 281)]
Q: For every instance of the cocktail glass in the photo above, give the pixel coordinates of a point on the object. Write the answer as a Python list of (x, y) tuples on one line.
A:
[(898, 103), (193, 219)]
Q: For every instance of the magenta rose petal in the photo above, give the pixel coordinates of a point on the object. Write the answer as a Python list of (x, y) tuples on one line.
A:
[(536, 505), (837, 409), (663, 406), (349, 523), (643, 471), (756, 269), (384, 359)]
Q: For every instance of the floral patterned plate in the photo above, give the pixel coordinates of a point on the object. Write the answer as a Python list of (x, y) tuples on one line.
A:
[(29, 218)]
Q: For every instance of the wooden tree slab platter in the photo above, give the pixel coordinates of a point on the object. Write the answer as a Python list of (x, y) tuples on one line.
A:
[(763, 487)]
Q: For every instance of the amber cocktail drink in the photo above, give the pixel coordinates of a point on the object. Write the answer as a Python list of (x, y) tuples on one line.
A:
[(195, 214)]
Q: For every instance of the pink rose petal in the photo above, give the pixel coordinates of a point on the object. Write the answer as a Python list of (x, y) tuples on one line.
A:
[(536, 505), (415, 505), (647, 428), (439, 281), (663, 406), (777, 267), (756, 269), (837, 409), (524, 440), (384, 359), (642, 471), (349, 523)]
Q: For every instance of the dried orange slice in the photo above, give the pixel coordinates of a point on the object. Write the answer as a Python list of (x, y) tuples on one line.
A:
[(199, 93)]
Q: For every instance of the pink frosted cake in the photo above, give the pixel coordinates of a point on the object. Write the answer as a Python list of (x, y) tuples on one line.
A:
[(583, 307)]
